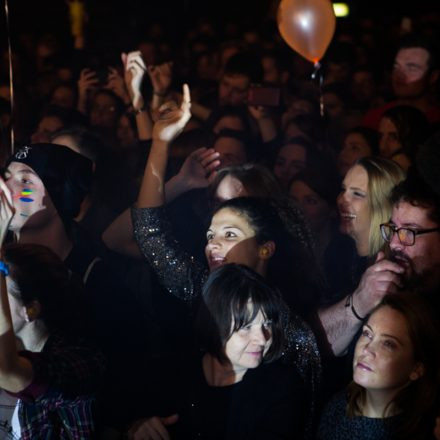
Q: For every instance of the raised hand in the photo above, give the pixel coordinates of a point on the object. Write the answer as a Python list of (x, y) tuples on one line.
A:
[(199, 168), (172, 119), (87, 81), (116, 84), (258, 112), (161, 76), (134, 71), (383, 277)]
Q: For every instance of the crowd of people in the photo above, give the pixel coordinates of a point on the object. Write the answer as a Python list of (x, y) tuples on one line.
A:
[(193, 247)]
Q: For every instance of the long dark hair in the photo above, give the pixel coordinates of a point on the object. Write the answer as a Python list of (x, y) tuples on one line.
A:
[(416, 401), (293, 268), (41, 276)]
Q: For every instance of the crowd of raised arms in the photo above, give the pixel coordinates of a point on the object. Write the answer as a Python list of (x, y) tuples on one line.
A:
[(190, 248)]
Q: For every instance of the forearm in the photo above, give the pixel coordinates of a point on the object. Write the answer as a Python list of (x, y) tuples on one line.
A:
[(15, 371), (152, 192), (82, 104), (340, 326), (144, 125), (119, 236), (267, 129), (174, 188)]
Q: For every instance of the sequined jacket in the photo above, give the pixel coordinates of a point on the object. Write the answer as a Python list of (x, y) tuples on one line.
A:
[(184, 277)]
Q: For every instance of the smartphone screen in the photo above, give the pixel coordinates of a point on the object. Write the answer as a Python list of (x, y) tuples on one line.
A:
[(264, 96)]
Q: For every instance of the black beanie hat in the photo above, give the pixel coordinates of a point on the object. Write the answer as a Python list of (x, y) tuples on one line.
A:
[(66, 175)]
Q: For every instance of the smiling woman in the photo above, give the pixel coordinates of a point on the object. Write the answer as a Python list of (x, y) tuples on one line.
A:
[(364, 203), (394, 386), (237, 388), (271, 240)]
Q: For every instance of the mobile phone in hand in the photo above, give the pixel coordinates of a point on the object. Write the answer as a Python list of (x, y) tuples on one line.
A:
[(264, 96)]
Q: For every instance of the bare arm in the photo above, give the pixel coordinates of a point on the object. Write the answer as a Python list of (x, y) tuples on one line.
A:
[(134, 71), (339, 321), (265, 123), (171, 122), (197, 171), (152, 191)]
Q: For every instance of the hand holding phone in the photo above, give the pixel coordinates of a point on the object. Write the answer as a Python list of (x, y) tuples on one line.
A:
[(263, 96)]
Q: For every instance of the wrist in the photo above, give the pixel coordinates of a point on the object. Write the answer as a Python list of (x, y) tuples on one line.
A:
[(350, 303), (160, 94)]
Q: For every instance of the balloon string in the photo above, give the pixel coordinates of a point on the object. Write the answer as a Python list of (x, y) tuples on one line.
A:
[(11, 78), (317, 73)]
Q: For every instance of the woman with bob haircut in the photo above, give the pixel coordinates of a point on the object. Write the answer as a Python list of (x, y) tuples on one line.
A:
[(237, 388), (395, 376)]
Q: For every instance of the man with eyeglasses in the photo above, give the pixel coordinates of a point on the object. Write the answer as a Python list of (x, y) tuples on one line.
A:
[(413, 235)]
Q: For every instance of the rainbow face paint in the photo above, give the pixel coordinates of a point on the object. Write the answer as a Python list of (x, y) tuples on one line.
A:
[(24, 196)]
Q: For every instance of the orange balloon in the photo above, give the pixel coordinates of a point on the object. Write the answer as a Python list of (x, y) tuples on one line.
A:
[(307, 26)]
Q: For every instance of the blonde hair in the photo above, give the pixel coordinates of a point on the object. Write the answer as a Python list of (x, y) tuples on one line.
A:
[(383, 176)]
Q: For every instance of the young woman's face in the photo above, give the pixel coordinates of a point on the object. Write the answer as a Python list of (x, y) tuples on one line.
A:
[(32, 204), (389, 142), (355, 147), (314, 207), (247, 346), (231, 239), (125, 133), (353, 207), (103, 111), (384, 354), (291, 159)]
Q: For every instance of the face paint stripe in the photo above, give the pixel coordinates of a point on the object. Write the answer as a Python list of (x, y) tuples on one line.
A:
[(26, 199)]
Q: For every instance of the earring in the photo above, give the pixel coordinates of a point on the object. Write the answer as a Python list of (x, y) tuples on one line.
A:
[(264, 252)]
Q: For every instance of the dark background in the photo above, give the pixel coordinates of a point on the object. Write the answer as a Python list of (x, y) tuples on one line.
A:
[(111, 15)]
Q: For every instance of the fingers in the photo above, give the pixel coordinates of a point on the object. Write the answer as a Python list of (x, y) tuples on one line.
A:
[(6, 191), (380, 256), (387, 265), (135, 60), (186, 104), (167, 107), (209, 160), (170, 420)]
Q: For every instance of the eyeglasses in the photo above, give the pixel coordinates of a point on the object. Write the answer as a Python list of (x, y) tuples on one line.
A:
[(407, 236)]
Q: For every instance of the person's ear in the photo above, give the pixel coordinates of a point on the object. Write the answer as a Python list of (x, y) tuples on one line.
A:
[(32, 311), (417, 372), (267, 250)]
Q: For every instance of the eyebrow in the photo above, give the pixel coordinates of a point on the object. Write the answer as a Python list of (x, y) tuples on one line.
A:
[(357, 188), (410, 225), (386, 335)]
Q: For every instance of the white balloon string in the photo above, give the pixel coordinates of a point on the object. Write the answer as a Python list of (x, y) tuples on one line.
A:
[(11, 77)]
